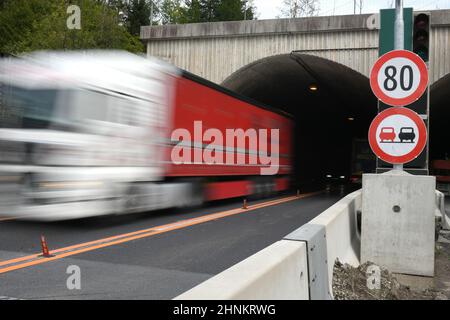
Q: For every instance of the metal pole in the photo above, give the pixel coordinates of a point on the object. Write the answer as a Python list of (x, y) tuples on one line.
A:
[(399, 26), (151, 12), (399, 43), (245, 10)]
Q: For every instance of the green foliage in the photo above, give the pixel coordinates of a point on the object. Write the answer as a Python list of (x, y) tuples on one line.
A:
[(233, 10), (193, 11), (138, 14), (172, 12), (210, 9), (226, 10), (28, 25)]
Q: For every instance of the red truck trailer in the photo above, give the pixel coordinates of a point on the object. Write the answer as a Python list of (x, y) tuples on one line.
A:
[(197, 101)]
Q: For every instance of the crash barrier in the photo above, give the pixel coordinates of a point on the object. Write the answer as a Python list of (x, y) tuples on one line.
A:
[(296, 267), (334, 234), (277, 272), (440, 211), (301, 265)]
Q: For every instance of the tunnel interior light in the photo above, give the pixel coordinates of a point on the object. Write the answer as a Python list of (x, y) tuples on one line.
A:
[(313, 87)]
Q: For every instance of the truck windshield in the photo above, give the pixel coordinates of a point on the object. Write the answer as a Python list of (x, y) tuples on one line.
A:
[(49, 108), (26, 108)]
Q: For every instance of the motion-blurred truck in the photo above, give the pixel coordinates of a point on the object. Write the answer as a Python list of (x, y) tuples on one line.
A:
[(91, 133)]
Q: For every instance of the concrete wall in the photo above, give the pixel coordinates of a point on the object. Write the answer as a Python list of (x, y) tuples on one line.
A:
[(204, 47)]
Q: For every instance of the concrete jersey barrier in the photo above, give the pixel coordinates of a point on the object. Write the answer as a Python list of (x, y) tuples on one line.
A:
[(281, 270), (274, 273)]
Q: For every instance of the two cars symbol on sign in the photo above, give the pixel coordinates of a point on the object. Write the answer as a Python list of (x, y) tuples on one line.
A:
[(406, 135)]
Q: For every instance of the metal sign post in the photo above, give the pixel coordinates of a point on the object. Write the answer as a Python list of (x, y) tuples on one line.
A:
[(399, 42)]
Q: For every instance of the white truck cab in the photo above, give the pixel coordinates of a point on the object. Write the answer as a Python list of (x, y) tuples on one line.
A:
[(78, 130)]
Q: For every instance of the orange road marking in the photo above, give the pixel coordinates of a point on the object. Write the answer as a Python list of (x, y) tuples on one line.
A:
[(36, 259)]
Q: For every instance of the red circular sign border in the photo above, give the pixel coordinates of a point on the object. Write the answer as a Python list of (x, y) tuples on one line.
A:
[(407, 157), (412, 97)]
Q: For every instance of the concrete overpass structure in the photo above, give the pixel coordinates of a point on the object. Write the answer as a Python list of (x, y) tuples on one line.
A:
[(217, 50)]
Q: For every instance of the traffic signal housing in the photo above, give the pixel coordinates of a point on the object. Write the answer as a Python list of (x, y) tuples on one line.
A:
[(421, 36)]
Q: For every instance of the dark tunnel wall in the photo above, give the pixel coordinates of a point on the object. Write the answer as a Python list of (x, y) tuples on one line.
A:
[(440, 119), (324, 130)]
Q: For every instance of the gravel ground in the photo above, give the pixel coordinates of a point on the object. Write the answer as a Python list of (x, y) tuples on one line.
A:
[(350, 283)]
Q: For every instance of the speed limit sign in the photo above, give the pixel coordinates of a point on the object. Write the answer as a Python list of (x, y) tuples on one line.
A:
[(399, 78)]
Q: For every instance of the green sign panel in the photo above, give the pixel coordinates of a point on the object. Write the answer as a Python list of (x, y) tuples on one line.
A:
[(387, 24)]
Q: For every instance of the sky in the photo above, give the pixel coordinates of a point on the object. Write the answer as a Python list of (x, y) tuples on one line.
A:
[(270, 9)]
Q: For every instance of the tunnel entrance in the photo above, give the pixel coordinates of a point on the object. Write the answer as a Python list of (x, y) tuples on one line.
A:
[(332, 106)]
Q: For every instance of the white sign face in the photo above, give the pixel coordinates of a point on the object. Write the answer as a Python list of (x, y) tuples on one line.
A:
[(399, 78), (397, 135)]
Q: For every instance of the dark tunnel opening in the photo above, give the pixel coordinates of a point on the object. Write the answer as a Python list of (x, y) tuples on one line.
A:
[(440, 119), (333, 107)]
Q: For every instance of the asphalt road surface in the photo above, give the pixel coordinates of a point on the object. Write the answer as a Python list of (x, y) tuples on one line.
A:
[(145, 256)]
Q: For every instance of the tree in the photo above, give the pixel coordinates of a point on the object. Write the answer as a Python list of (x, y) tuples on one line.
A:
[(299, 8), (234, 10), (173, 12), (29, 25), (138, 14), (193, 11), (209, 10)]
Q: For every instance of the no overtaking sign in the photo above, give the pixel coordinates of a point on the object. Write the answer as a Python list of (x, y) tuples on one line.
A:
[(398, 135)]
